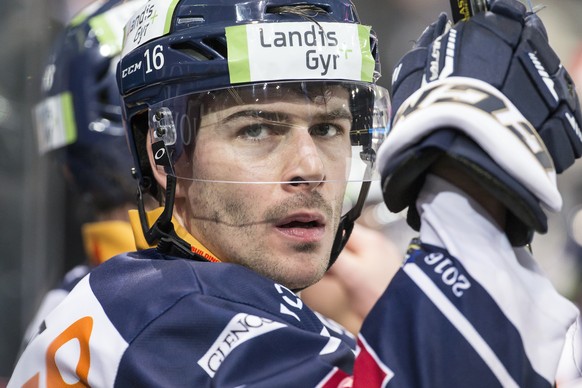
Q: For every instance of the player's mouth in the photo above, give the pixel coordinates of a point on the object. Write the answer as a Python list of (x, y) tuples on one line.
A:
[(302, 227)]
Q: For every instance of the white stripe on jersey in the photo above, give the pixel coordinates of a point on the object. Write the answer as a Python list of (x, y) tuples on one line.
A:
[(79, 316), (457, 319)]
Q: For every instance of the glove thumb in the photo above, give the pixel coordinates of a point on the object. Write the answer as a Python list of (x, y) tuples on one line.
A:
[(433, 31)]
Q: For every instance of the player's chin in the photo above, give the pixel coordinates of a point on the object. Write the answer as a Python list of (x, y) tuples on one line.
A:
[(304, 268)]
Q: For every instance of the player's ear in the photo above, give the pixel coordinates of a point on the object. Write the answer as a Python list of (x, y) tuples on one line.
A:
[(159, 174)]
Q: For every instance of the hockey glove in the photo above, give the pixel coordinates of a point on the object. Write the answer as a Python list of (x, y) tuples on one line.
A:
[(508, 48)]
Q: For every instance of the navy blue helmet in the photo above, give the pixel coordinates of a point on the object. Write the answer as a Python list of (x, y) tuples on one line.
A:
[(79, 116), (181, 59)]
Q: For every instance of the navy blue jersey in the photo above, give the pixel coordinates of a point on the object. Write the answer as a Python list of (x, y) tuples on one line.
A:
[(144, 319)]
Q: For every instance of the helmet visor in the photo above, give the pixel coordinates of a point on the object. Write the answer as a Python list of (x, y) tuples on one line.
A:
[(272, 132)]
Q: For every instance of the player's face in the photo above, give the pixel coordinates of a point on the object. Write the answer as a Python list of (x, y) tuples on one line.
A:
[(283, 229)]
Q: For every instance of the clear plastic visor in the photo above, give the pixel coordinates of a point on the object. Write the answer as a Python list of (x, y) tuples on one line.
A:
[(272, 133)]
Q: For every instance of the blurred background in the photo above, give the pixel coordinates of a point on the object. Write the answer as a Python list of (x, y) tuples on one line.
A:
[(40, 242)]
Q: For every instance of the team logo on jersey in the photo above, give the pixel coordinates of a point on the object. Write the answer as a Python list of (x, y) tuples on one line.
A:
[(241, 328)]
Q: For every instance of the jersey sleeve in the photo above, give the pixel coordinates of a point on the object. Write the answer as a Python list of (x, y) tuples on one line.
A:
[(436, 325)]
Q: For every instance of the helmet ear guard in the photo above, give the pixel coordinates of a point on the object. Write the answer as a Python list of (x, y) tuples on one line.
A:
[(161, 232)]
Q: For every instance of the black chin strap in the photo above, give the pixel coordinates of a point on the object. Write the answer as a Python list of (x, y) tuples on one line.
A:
[(162, 231), (346, 224)]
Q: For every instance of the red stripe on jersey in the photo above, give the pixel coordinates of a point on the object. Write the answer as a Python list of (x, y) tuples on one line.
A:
[(368, 369), (337, 379)]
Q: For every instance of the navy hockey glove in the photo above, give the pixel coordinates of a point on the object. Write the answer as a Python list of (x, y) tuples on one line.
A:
[(508, 48)]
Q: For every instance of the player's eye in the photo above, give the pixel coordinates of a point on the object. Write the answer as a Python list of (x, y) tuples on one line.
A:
[(325, 130), (255, 132)]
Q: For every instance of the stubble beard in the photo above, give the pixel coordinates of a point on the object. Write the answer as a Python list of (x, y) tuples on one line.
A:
[(227, 226)]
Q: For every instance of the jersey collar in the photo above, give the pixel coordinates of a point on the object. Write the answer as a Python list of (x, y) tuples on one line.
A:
[(152, 215)]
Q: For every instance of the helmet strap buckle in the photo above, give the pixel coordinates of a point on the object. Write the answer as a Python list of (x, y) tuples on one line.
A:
[(162, 231)]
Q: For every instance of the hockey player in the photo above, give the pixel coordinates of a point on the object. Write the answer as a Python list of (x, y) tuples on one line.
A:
[(246, 119), (80, 81), (79, 124)]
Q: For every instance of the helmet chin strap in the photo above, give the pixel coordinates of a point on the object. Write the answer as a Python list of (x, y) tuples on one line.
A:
[(162, 231), (168, 241), (346, 224)]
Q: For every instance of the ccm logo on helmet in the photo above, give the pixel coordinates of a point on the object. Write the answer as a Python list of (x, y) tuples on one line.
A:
[(131, 69)]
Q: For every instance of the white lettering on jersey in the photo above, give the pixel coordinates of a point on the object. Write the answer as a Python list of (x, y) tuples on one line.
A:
[(291, 299), (241, 328), (449, 273)]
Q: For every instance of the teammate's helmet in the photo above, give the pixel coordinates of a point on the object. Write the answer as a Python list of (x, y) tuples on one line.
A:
[(182, 57), (79, 117)]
